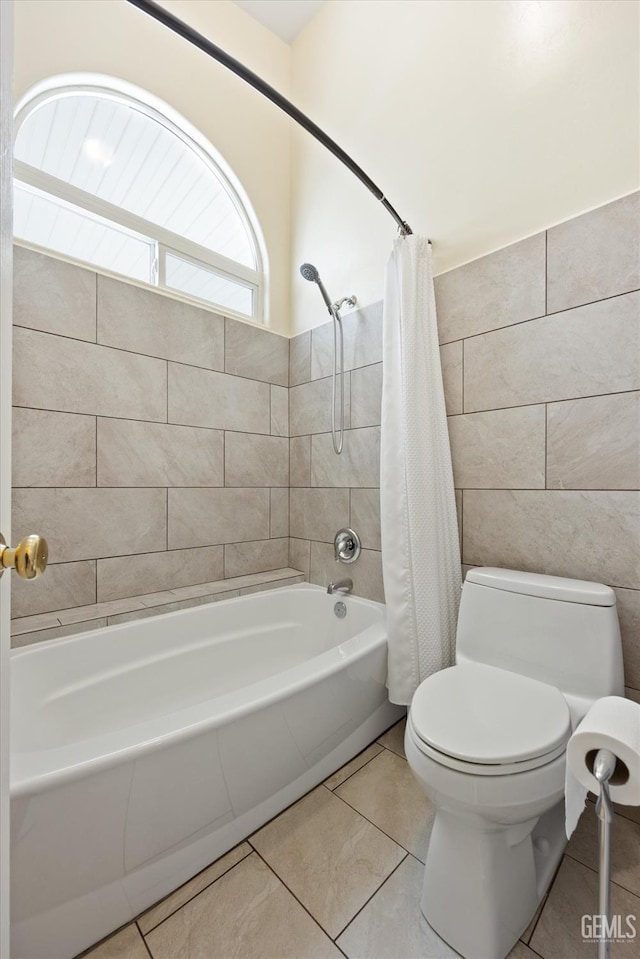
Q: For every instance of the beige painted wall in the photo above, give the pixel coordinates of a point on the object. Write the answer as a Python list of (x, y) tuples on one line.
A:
[(111, 37), (483, 122)]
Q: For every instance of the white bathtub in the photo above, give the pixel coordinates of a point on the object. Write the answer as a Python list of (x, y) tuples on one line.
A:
[(142, 752)]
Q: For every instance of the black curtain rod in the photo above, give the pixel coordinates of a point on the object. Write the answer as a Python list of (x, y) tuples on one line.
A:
[(188, 33)]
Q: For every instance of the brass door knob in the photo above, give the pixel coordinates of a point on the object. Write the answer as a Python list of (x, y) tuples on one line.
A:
[(29, 558)]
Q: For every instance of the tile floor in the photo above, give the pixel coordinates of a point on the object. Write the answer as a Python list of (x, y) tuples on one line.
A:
[(339, 873)]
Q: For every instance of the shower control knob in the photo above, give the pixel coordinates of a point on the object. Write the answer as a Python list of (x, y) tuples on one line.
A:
[(347, 546), (29, 558)]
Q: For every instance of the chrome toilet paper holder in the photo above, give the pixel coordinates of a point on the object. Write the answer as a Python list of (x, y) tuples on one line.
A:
[(603, 769)]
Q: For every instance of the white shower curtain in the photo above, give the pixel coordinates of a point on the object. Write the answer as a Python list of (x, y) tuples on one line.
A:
[(420, 548)]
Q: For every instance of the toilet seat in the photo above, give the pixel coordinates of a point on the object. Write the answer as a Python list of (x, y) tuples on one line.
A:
[(488, 721)]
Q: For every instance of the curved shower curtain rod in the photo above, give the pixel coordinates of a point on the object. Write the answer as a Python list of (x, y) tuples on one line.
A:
[(188, 33)]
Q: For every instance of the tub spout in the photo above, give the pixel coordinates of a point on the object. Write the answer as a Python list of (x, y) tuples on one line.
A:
[(342, 586)]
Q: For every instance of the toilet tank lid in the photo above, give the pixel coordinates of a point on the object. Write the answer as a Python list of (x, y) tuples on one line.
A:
[(546, 587)]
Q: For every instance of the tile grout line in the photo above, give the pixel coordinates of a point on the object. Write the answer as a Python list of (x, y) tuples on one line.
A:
[(375, 426), (198, 426), (520, 406), (540, 316), (148, 356), (542, 906), (373, 895), (617, 811), (370, 821), (351, 775), (546, 445), (489, 489), (546, 272), (278, 814), (86, 953), (147, 487), (135, 613), (614, 882), (180, 549), (144, 941), (289, 489), (176, 590), (196, 894), (314, 379), (289, 890), (383, 748), (133, 419), (352, 369)]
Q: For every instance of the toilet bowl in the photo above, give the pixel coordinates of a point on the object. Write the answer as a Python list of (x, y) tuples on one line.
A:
[(486, 739)]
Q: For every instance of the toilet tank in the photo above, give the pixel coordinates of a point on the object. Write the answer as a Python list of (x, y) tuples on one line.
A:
[(564, 632)]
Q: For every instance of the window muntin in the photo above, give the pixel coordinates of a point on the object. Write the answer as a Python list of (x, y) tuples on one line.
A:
[(46, 221), (103, 178)]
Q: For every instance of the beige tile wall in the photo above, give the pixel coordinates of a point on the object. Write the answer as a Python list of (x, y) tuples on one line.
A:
[(171, 449), (150, 440), (328, 491), (541, 350)]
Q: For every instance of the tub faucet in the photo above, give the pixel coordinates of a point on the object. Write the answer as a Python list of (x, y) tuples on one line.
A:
[(342, 586)]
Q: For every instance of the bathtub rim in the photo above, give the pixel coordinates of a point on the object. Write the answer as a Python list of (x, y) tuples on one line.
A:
[(29, 775)]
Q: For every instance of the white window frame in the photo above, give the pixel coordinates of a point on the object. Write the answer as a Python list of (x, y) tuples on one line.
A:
[(165, 240)]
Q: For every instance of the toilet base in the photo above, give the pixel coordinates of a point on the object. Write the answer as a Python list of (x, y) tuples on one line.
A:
[(483, 882)]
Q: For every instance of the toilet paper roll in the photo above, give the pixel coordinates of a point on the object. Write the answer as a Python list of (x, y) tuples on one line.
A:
[(612, 723)]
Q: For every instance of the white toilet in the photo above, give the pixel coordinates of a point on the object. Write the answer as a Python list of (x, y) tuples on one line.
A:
[(486, 738)]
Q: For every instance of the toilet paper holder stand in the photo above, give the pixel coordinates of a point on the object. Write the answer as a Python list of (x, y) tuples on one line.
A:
[(603, 768)]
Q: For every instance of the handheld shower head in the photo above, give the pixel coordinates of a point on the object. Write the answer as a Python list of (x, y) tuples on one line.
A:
[(309, 272)]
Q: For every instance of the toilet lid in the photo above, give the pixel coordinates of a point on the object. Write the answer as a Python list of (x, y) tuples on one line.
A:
[(482, 714)]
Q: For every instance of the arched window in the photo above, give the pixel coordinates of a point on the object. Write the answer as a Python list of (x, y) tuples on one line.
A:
[(107, 179)]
